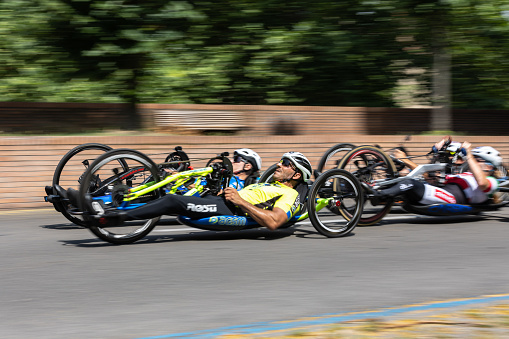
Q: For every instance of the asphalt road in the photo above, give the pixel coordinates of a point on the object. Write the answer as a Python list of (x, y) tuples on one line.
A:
[(59, 281)]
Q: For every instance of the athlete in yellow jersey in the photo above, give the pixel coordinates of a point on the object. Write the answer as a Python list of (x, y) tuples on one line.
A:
[(271, 195), (269, 204)]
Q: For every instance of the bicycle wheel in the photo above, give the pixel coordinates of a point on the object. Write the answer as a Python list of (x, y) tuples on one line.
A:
[(342, 194), (268, 173), (369, 163), (69, 172), (110, 193), (331, 158), (177, 161)]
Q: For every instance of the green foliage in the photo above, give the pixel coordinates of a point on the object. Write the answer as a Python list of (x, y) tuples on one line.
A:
[(337, 53), (481, 54)]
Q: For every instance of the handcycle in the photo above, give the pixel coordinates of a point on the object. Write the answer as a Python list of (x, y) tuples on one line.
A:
[(70, 169), (333, 156), (374, 167), (360, 161), (128, 187)]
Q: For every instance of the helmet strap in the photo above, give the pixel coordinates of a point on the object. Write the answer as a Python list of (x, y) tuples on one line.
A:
[(288, 180), (243, 170)]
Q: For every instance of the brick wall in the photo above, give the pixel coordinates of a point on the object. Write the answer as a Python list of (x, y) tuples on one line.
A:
[(245, 120), (27, 164)]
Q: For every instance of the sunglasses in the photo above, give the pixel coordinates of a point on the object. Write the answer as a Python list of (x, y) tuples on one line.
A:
[(287, 163), (238, 158)]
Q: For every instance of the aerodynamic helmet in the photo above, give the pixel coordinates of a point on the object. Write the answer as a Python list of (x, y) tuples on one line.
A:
[(300, 162), (488, 154), (250, 156)]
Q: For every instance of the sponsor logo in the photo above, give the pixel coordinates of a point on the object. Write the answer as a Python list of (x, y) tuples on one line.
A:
[(296, 204), (405, 187), (229, 221), (445, 197), (201, 208)]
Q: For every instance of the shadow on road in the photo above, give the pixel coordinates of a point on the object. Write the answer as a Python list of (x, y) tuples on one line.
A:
[(198, 235), (66, 226), (423, 220)]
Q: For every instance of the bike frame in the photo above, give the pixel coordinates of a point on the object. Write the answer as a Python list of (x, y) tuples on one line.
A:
[(178, 179), (208, 179), (416, 173)]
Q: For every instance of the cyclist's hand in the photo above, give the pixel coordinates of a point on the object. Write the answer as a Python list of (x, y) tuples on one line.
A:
[(232, 195), (445, 140), (466, 145)]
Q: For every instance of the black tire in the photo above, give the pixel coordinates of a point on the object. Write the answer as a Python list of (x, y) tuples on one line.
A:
[(345, 193), (178, 161), (331, 158), (360, 162), (115, 185), (67, 174), (267, 174)]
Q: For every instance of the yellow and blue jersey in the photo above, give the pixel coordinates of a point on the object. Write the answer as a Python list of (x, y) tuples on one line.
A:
[(270, 195)]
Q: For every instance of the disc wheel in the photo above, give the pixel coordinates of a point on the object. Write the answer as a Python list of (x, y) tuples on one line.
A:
[(334, 194), (111, 191), (69, 172), (332, 157), (369, 164)]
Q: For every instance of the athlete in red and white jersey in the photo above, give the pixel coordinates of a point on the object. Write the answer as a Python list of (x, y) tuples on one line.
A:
[(470, 187), (474, 187)]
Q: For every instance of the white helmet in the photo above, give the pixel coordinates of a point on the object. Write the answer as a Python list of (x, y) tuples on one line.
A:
[(489, 154), (250, 156), (454, 148), (301, 163)]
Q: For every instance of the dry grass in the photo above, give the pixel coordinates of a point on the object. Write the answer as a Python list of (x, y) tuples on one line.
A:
[(489, 322)]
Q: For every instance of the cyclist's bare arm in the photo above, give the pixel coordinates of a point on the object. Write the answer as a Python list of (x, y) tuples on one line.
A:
[(272, 219), (475, 168), (400, 155)]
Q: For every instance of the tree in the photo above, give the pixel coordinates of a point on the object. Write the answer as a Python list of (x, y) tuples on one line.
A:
[(337, 53)]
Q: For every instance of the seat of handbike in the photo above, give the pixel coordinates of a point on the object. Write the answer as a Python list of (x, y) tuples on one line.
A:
[(239, 222), (452, 209), (230, 222)]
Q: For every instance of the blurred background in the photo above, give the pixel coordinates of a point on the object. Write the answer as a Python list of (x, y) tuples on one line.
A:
[(269, 74), (439, 54)]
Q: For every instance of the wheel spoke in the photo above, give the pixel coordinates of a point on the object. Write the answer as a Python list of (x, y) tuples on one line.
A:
[(111, 192), (344, 196), (370, 164)]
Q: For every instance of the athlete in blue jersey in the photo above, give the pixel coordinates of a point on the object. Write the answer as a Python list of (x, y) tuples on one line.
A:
[(246, 164)]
